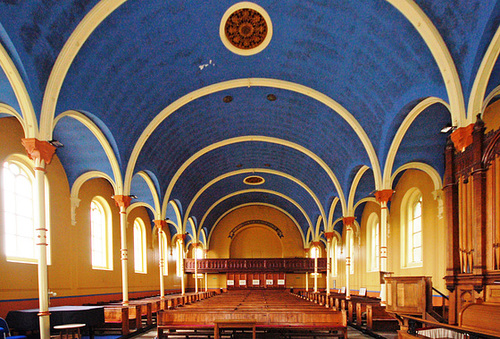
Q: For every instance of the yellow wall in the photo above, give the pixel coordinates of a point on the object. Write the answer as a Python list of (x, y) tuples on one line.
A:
[(491, 117), (434, 243), (291, 242), (70, 274)]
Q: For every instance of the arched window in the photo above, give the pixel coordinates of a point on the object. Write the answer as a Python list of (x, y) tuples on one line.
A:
[(140, 255), (373, 242), (199, 253), (315, 252), (101, 234), (412, 229), (333, 256), (18, 192), (165, 251)]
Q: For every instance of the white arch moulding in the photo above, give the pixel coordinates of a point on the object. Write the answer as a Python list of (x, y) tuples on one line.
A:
[(28, 119), (257, 204), (433, 174), (65, 58), (441, 54), (252, 138), (103, 141), (6, 109), (398, 138), (252, 191), (482, 77), (262, 82), (154, 192), (254, 170), (75, 189), (354, 187)]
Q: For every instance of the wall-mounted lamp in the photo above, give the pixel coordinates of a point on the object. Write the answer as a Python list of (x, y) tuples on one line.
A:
[(132, 196), (447, 128), (56, 143)]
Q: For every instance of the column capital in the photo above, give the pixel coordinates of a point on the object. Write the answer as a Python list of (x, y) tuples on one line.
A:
[(122, 200), (384, 195), (41, 150), (316, 243), (160, 224), (181, 237), (329, 236), (348, 221), (462, 137)]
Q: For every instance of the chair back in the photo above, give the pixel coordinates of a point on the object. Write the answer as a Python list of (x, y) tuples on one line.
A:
[(5, 326)]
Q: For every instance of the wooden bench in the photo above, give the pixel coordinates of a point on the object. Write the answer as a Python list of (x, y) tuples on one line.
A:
[(232, 323), (124, 317), (270, 311), (377, 319)]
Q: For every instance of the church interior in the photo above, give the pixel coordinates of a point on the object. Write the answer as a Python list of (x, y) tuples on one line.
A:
[(318, 148)]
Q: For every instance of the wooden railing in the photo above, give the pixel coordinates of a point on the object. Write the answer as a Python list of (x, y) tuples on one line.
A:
[(288, 265)]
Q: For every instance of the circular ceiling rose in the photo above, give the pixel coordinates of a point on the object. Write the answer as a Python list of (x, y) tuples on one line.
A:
[(246, 28)]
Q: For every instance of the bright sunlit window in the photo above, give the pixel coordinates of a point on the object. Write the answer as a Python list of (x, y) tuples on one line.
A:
[(412, 229), (140, 255), (101, 239), (373, 242)]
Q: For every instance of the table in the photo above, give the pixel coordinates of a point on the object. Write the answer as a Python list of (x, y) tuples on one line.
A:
[(70, 329), (27, 320)]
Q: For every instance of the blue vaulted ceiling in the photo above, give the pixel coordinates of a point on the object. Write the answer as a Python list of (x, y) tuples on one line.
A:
[(151, 77)]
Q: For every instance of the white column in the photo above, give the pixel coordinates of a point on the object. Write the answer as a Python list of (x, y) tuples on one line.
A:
[(123, 201), (348, 262), (161, 251), (383, 198), (195, 247), (316, 270), (41, 152), (41, 243), (183, 283), (328, 236)]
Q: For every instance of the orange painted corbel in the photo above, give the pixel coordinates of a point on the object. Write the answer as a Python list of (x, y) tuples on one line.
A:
[(462, 137)]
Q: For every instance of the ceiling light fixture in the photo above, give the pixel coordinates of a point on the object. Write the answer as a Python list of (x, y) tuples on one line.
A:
[(56, 143), (447, 128)]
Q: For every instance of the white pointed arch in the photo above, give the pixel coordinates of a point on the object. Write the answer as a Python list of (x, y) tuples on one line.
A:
[(403, 128), (65, 58), (154, 192), (433, 174), (482, 77), (309, 237), (257, 204), (103, 141), (29, 122), (331, 213), (252, 138), (317, 233), (262, 82), (367, 199), (254, 170), (194, 236), (297, 205), (140, 204), (441, 54), (6, 109), (354, 187), (178, 223), (494, 93), (75, 189)]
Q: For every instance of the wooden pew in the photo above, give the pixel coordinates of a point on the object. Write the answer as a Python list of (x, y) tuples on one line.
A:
[(361, 309), (269, 311), (124, 317), (377, 319)]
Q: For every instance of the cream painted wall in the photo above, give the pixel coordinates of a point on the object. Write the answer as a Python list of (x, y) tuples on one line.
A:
[(434, 243), (220, 243), (70, 274), (491, 117)]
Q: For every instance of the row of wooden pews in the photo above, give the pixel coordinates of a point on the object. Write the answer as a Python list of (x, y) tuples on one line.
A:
[(269, 311), (141, 313), (363, 312)]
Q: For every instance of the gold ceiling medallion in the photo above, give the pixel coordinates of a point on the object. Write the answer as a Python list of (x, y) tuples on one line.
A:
[(246, 28), (254, 180)]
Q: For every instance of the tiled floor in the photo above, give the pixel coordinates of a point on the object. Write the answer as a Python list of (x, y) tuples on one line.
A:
[(352, 333)]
